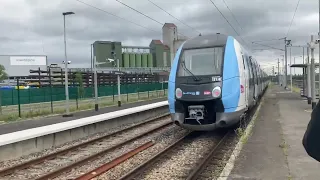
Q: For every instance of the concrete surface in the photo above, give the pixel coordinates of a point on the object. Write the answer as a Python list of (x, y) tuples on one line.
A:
[(274, 150), (37, 144), (27, 124)]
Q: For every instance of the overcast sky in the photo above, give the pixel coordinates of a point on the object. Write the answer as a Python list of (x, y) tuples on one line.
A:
[(36, 26)]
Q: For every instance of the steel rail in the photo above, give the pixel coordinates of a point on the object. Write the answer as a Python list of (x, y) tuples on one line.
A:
[(204, 162), (83, 161), (12, 169), (107, 166), (142, 167)]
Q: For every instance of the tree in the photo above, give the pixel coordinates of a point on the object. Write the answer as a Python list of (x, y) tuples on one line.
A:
[(79, 81), (3, 74)]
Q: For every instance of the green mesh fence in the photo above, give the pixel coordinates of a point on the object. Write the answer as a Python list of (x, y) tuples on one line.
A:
[(27, 96)]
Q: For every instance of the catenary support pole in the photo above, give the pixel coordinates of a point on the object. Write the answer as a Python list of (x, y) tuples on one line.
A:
[(303, 75), (319, 50), (312, 73), (285, 63), (278, 71), (308, 76), (118, 79), (290, 72), (96, 103)]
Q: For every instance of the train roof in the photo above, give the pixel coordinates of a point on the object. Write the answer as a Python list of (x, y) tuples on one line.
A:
[(206, 41)]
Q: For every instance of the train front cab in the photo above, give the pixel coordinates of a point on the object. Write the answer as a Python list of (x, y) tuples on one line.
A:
[(217, 100)]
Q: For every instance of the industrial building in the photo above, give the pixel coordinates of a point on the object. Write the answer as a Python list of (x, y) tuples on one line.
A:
[(157, 54), (155, 58)]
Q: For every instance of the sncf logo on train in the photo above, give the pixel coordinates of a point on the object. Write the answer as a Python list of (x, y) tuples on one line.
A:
[(242, 88)]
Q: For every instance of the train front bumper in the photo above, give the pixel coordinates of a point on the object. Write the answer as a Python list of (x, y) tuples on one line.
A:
[(223, 120)]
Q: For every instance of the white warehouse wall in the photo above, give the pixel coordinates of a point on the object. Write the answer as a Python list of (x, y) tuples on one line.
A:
[(21, 65)]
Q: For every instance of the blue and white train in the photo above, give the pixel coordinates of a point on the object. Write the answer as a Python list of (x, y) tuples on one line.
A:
[(213, 82)]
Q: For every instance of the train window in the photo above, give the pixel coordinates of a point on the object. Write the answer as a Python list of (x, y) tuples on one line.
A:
[(254, 69), (250, 67), (244, 64), (206, 61)]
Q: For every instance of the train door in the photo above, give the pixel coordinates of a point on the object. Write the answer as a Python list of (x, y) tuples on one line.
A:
[(251, 81), (254, 79), (255, 71), (246, 80)]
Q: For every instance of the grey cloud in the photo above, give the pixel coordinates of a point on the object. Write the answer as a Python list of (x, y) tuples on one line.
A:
[(260, 20)]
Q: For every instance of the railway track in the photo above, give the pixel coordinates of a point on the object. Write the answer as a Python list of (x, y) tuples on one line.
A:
[(196, 155), (183, 159), (212, 164), (55, 164), (177, 160)]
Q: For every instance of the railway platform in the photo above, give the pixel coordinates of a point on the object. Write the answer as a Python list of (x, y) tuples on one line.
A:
[(274, 149), (44, 121)]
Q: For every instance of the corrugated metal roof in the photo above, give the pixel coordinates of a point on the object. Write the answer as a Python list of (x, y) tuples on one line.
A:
[(155, 41), (169, 25)]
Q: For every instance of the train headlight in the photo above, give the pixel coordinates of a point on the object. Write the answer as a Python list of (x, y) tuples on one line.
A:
[(216, 92), (178, 93)]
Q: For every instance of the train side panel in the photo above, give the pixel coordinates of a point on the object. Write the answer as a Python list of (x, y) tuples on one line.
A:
[(231, 80), (172, 80), (243, 93), (256, 87)]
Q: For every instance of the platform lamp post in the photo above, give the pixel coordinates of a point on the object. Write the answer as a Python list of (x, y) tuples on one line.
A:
[(66, 62)]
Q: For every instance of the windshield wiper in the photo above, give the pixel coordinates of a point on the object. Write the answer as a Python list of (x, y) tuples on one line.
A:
[(186, 69)]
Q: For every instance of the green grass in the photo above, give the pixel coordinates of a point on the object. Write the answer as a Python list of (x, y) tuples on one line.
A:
[(38, 113), (295, 89), (285, 146)]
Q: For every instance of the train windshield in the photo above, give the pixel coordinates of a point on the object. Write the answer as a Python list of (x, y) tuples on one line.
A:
[(196, 62)]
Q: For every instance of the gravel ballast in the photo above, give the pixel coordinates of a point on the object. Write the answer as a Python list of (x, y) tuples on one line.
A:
[(68, 158)]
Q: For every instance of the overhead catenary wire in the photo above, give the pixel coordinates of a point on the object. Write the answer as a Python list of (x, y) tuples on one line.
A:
[(228, 21), (144, 15), (116, 16), (269, 40), (174, 16), (268, 46), (293, 17), (234, 17)]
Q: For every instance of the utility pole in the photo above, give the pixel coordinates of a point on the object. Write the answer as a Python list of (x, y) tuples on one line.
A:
[(66, 62), (282, 69), (96, 104), (285, 62), (290, 73), (294, 62), (312, 73), (309, 76), (272, 70), (317, 41), (302, 55), (118, 76), (287, 42), (278, 71)]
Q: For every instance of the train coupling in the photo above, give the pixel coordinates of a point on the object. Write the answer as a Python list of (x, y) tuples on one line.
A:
[(196, 112)]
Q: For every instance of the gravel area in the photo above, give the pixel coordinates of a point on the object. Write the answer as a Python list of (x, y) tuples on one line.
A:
[(79, 154), (163, 140), (180, 161), (164, 134), (216, 165)]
